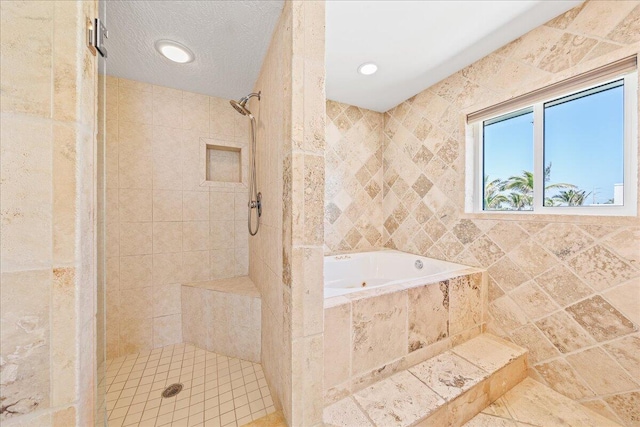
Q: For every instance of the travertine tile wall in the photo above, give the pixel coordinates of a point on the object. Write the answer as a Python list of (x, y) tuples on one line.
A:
[(353, 189), (287, 254), (165, 226), (47, 281), (566, 287)]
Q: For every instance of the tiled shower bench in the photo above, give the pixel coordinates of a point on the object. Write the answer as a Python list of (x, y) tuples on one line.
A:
[(223, 316)]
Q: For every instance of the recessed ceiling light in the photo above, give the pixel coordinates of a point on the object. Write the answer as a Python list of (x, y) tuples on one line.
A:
[(367, 68), (174, 51)]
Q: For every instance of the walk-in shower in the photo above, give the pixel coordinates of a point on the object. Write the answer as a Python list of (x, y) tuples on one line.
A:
[(255, 198)]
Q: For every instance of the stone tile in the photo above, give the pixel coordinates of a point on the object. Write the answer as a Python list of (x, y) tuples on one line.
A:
[(484, 420), (337, 349), (565, 333), (488, 352), (563, 286), (626, 406), (400, 400), (561, 377), (601, 372), (625, 299), (428, 314), (345, 413), (465, 304), (448, 375), (532, 403), (626, 351), (507, 235), (563, 240), (601, 268), (627, 31), (507, 314), (600, 319), (532, 258), (379, 330), (532, 301), (507, 274), (533, 340), (486, 251)]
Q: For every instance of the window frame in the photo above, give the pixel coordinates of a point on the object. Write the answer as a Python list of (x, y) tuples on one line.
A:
[(474, 200)]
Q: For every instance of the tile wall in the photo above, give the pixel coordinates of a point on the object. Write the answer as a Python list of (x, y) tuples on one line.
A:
[(567, 288), (165, 225), (47, 267), (287, 254), (353, 187)]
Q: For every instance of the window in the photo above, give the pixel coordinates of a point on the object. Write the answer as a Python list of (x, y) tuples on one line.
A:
[(573, 153)]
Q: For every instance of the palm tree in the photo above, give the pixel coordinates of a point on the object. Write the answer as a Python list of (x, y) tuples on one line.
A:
[(520, 201), (493, 199), (572, 197)]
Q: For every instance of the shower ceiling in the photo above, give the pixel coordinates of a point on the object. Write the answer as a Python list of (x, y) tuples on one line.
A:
[(414, 43), (229, 40)]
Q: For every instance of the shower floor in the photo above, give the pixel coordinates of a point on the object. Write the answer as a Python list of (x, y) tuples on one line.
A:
[(217, 390)]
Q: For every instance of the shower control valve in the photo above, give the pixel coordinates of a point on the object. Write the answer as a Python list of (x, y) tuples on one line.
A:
[(257, 204)]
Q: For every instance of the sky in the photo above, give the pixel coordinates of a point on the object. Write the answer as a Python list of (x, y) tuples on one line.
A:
[(583, 142)]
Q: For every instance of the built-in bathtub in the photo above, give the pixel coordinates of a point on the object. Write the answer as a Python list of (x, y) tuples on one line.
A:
[(401, 316), (344, 274)]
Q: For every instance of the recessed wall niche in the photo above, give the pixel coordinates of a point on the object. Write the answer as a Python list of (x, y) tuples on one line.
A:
[(222, 163)]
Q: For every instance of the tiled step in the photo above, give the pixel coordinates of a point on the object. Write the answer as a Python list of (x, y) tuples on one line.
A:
[(446, 390)]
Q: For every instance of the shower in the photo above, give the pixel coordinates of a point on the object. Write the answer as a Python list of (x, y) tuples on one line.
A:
[(255, 198)]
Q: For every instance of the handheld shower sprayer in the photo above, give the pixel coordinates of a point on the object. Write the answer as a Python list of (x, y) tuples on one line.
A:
[(255, 198)]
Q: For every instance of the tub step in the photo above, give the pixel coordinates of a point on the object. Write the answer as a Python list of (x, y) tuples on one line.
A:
[(446, 390)]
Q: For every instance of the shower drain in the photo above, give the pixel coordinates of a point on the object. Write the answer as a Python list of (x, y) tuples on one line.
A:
[(172, 390)]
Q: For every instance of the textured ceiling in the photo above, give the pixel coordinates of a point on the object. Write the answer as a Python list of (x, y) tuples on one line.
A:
[(229, 39), (418, 43)]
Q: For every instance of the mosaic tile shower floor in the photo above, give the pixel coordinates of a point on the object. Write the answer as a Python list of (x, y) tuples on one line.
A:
[(217, 390)]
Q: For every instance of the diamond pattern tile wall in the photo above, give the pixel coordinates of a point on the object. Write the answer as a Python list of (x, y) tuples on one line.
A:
[(353, 191)]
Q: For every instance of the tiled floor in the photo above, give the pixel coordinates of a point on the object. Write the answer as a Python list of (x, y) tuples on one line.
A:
[(533, 404), (218, 391)]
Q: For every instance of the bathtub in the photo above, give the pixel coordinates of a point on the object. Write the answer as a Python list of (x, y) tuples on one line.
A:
[(345, 274)]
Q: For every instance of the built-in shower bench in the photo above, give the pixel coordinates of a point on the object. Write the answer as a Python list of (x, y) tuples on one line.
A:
[(223, 316)]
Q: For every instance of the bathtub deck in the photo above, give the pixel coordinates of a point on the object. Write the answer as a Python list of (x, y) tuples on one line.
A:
[(448, 389)]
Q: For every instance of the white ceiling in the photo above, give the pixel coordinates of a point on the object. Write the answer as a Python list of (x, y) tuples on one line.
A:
[(229, 39), (418, 43), (414, 43)]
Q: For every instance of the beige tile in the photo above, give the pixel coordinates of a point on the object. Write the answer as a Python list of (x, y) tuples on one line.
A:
[(533, 340), (135, 304), (136, 238), (601, 372), (168, 268), (136, 271), (532, 258), (488, 352), (532, 403), (167, 111), (561, 377), (167, 205), (167, 237), (337, 349), (223, 263), (195, 235), (196, 266), (195, 206), (425, 330), (626, 351), (222, 234), (625, 299), (221, 206), (379, 330), (601, 268), (625, 405), (532, 301), (600, 319), (399, 400), (166, 299), (448, 375), (345, 413), (563, 286), (167, 330), (465, 309), (564, 332), (135, 105)]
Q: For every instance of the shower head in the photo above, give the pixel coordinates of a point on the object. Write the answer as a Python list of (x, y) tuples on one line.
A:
[(241, 105)]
